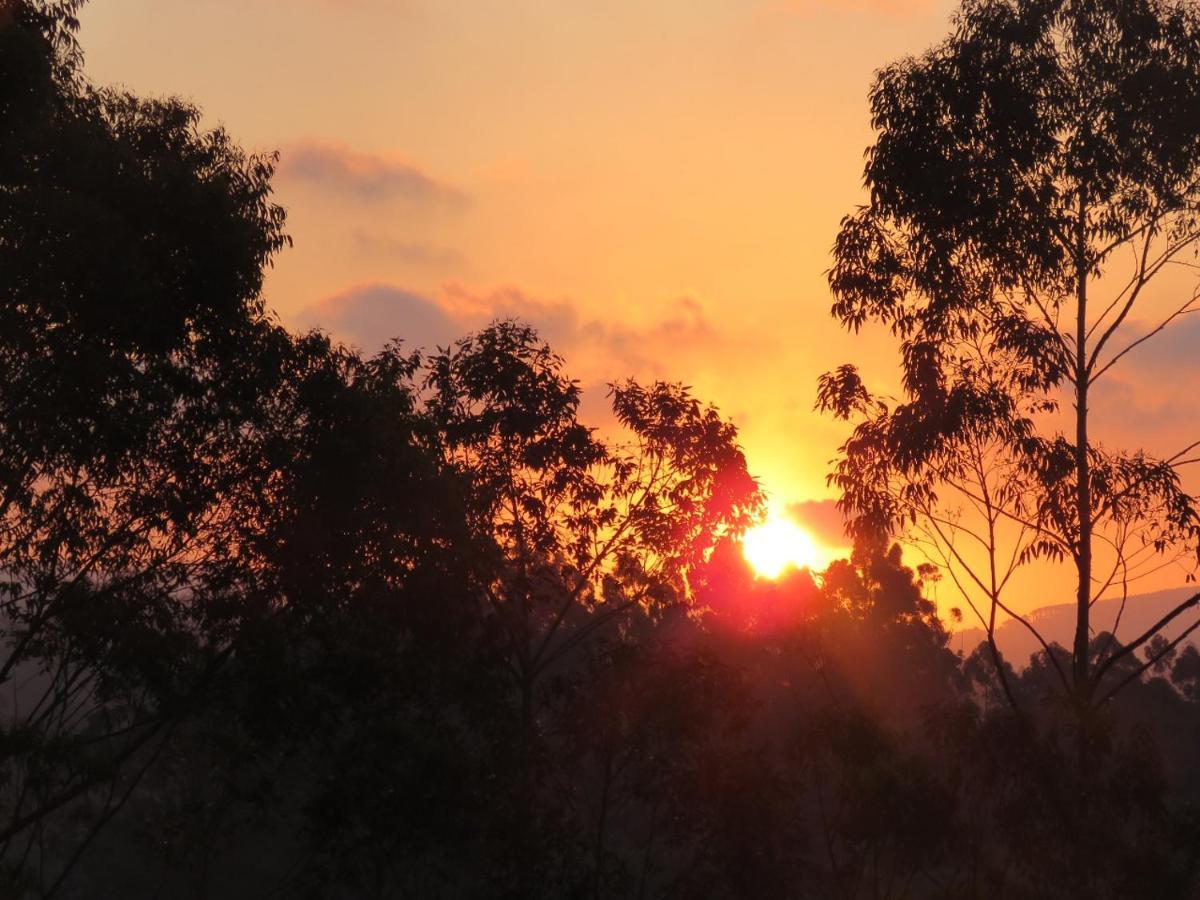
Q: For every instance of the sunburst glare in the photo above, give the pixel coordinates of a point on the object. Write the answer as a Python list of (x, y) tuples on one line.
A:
[(779, 544)]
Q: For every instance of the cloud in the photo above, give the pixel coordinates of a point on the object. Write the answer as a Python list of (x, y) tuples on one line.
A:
[(1151, 398), (823, 519), (1138, 413), (556, 320), (368, 177), (370, 315), (676, 345), (673, 346), (680, 343), (1170, 353)]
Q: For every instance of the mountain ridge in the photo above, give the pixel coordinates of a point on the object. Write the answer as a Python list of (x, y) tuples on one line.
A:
[(1056, 623)]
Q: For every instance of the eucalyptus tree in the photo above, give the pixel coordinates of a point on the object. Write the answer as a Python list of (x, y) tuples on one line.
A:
[(1032, 176)]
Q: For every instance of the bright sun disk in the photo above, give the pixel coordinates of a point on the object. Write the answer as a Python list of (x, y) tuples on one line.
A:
[(778, 544)]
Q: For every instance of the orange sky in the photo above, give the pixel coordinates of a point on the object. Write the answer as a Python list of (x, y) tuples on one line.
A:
[(655, 183)]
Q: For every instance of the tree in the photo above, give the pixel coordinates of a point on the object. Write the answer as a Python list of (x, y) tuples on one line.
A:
[(137, 362), (575, 523), (1032, 175), (572, 532)]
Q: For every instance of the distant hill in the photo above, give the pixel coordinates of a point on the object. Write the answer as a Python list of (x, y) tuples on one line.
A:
[(1057, 623)]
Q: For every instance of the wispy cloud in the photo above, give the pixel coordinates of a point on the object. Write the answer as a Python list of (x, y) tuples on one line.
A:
[(1151, 398), (674, 344), (366, 176), (666, 346), (370, 315), (1169, 353)]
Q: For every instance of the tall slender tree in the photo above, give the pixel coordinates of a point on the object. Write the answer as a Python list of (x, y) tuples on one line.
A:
[(1032, 175)]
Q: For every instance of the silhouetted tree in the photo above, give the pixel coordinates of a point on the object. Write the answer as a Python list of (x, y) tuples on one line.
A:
[(135, 355), (579, 532), (280, 618), (1017, 165)]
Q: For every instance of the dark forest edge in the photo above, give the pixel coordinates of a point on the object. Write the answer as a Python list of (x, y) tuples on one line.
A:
[(281, 619)]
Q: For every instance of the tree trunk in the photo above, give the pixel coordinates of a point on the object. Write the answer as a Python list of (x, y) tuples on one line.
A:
[(1083, 550)]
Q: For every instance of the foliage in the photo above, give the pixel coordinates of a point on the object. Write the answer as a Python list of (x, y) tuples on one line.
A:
[(1016, 167), (283, 619), (136, 357)]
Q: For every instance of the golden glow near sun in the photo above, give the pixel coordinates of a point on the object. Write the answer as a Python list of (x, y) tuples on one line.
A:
[(779, 544)]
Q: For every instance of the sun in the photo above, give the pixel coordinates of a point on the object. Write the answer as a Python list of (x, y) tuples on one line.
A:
[(779, 544)]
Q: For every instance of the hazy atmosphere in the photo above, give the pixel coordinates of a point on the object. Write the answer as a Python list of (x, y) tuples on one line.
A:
[(723, 448), (655, 186)]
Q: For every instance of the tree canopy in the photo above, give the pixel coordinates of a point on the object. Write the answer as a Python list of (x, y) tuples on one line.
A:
[(1031, 175), (282, 618)]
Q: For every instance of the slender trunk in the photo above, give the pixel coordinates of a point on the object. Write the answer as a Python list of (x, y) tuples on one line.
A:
[(994, 592), (1083, 552)]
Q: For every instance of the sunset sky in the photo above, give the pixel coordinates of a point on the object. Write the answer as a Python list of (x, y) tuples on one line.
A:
[(656, 185)]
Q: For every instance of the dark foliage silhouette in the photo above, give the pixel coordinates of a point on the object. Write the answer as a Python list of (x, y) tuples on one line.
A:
[(1019, 166), (283, 619), (136, 357)]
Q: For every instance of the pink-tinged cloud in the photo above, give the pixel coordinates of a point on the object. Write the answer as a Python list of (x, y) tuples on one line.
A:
[(1169, 354), (672, 346), (338, 169), (556, 320), (368, 316), (668, 347), (1151, 399)]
